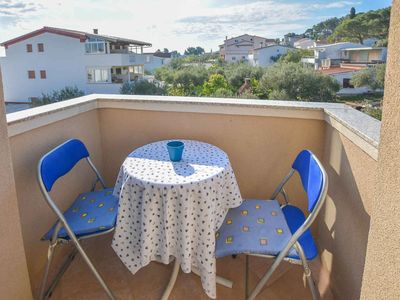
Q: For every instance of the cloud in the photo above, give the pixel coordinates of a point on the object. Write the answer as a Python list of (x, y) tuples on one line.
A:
[(11, 11), (254, 16), (341, 4), (259, 16)]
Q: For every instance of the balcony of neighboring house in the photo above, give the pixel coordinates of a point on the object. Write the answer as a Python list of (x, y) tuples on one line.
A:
[(122, 74), (261, 139), (363, 57)]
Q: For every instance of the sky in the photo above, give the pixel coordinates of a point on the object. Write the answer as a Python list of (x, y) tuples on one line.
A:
[(174, 24)]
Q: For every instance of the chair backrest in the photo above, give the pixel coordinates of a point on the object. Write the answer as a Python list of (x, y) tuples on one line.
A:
[(312, 176), (60, 161)]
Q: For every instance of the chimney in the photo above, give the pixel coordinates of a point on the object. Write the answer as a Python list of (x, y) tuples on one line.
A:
[(95, 31), (226, 37)]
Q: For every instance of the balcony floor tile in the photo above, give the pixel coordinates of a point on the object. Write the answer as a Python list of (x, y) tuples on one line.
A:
[(149, 282)]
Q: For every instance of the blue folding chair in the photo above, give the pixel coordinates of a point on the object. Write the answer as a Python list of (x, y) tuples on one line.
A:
[(267, 229), (92, 214)]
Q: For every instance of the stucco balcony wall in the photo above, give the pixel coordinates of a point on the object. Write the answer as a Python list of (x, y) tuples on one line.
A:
[(261, 138)]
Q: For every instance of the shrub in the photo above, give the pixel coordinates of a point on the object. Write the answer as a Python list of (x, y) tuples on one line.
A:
[(141, 87), (59, 95), (296, 82)]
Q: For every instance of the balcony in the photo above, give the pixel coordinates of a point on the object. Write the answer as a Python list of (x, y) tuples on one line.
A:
[(270, 133)]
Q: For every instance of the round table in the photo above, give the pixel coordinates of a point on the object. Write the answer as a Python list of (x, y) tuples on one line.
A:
[(173, 209)]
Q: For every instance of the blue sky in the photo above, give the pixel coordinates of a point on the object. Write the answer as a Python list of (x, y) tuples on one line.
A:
[(175, 24)]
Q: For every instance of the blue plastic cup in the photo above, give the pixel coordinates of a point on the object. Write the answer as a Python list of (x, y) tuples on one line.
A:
[(175, 150)]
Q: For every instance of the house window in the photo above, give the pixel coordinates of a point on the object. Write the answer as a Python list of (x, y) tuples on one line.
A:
[(95, 46), (118, 71), (97, 75), (40, 47), (43, 74), (346, 83), (28, 47), (31, 74), (138, 69), (147, 58), (233, 57)]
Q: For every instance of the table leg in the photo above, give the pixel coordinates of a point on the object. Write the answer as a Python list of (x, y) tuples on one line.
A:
[(220, 280), (172, 280)]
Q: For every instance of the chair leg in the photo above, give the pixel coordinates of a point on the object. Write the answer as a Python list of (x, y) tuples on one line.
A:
[(307, 272), (91, 266), (246, 280), (50, 254), (266, 277)]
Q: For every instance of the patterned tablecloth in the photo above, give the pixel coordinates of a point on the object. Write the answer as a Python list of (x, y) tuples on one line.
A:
[(174, 208)]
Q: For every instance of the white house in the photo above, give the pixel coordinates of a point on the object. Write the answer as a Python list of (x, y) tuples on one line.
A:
[(343, 75), (304, 43), (238, 48), (267, 55), (51, 58), (156, 60), (331, 52)]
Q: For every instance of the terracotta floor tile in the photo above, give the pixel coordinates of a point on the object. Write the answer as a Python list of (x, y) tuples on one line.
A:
[(149, 282)]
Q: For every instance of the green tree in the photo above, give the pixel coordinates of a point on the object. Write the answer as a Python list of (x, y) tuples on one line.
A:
[(296, 82), (372, 24), (194, 51), (296, 55), (214, 83), (66, 93), (141, 87), (236, 73), (352, 13), (323, 29), (373, 77)]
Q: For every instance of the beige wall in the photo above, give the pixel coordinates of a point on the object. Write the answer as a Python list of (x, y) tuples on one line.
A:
[(345, 219), (372, 55), (250, 142), (14, 280), (382, 267), (36, 216), (261, 149)]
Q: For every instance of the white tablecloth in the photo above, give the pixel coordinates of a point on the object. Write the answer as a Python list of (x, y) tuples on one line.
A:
[(174, 208)]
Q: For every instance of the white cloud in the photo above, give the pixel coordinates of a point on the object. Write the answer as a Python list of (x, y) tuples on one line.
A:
[(337, 4), (175, 24)]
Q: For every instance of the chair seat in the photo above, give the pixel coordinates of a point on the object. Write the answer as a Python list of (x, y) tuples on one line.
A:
[(91, 212), (261, 227)]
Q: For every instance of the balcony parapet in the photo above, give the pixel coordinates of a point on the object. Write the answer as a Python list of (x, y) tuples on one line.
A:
[(361, 129)]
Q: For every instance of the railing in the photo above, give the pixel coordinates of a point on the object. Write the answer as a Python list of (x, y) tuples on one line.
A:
[(261, 138)]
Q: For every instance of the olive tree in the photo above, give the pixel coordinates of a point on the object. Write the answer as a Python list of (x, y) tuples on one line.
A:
[(292, 81), (373, 77)]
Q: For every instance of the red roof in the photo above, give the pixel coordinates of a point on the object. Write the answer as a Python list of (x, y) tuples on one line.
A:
[(71, 33), (82, 36)]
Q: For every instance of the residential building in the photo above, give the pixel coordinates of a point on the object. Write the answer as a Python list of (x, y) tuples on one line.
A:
[(238, 48), (290, 38), (304, 43), (267, 55), (331, 53), (156, 60), (343, 75), (342, 60), (51, 58), (364, 55)]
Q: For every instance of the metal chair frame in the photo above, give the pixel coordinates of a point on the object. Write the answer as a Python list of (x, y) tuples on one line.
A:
[(293, 242), (55, 240)]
